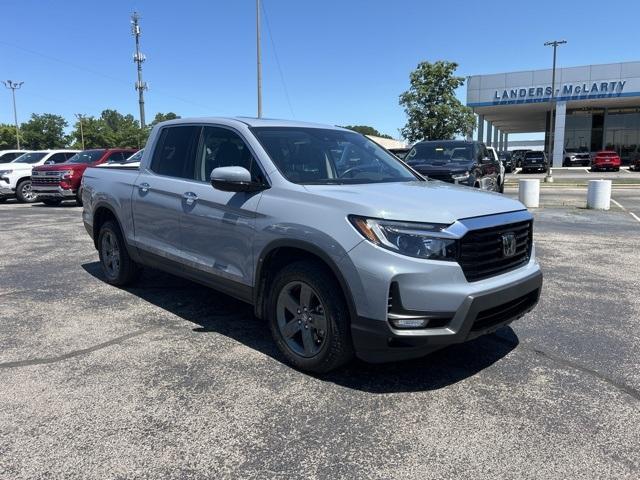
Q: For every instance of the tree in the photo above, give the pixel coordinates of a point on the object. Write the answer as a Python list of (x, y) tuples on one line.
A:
[(44, 131), (433, 111), (367, 130), (111, 129), (163, 117), (8, 136)]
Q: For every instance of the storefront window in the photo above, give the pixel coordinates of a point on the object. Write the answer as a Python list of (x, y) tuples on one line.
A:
[(577, 130), (622, 132)]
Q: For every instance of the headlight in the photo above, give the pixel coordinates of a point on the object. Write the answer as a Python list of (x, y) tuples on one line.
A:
[(460, 177), (68, 173), (5, 172), (418, 240)]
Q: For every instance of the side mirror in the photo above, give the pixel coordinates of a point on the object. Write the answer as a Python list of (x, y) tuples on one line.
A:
[(234, 179), (49, 162)]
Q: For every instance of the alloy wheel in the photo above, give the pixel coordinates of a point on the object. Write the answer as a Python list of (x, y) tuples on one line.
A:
[(27, 192), (301, 317), (110, 254)]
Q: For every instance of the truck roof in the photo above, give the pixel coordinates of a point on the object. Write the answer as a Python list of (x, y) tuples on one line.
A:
[(251, 122)]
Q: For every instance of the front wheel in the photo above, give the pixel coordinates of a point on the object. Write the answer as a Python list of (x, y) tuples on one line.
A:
[(24, 194), (117, 265), (309, 319)]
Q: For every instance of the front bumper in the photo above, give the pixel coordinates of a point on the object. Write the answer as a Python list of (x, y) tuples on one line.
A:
[(52, 191), (376, 341), (6, 191)]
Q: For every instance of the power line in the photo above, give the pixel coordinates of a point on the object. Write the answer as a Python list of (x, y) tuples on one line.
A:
[(101, 74), (275, 54)]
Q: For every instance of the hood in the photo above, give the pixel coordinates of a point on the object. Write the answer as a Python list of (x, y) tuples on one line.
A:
[(19, 166), (436, 202), (57, 167)]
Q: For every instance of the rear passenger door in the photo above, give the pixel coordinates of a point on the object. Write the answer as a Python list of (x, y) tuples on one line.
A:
[(157, 197), (217, 226)]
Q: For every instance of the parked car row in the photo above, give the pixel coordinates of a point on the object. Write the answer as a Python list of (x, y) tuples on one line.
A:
[(51, 176)]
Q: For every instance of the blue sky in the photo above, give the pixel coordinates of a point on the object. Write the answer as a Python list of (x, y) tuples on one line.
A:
[(343, 62)]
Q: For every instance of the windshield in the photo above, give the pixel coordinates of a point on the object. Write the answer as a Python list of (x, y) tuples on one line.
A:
[(441, 152), (534, 155), (33, 157), (88, 156), (326, 156)]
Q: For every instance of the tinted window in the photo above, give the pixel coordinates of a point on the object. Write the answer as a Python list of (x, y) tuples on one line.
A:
[(221, 147), (69, 155), (175, 152), (116, 157), (7, 157), (57, 158), (324, 156), (447, 151), (88, 156), (34, 157), (534, 155), (136, 157)]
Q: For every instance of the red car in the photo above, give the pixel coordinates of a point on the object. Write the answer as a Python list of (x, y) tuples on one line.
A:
[(54, 183), (606, 160)]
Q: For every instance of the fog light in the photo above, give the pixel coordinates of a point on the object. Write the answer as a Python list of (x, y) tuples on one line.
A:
[(408, 322)]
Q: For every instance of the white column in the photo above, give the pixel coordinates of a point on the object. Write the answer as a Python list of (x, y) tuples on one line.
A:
[(496, 132), (480, 128), (506, 142), (489, 132), (558, 133)]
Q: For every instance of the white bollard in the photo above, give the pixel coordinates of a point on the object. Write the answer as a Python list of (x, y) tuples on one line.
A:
[(599, 194), (529, 192)]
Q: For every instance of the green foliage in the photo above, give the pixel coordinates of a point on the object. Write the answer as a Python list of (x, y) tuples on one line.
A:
[(111, 129), (163, 117), (44, 131), (367, 130), (433, 111), (8, 137)]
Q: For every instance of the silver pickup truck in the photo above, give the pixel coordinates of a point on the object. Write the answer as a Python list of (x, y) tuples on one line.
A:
[(341, 247)]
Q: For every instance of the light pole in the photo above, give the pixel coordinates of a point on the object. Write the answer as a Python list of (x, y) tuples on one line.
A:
[(80, 116), (552, 100), (258, 59), (14, 86), (139, 59)]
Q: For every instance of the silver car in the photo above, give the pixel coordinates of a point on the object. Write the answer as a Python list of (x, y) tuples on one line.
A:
[(341, 247)]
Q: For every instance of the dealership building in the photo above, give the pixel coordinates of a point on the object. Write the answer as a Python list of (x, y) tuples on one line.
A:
[(597, 107)]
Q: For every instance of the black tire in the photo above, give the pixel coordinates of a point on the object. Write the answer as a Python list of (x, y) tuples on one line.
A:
[(127, 270), (79, 197), (566, 164), (52, 202), (336, 347), (3, 199), (500, 186), (617, 169), (23, 192)]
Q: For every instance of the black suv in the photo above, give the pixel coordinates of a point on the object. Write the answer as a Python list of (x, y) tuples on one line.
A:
[(534, 161), (456, 161)]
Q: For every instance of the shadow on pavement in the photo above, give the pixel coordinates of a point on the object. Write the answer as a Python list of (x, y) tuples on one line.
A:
[(212, 311)]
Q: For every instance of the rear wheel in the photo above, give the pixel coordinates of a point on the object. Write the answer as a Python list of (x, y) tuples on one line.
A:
[(309, 319), (117, 265), (24, 194), (52, 202)]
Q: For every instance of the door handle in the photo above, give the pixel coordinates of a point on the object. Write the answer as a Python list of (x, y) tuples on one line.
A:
[(144, 187), (189, 197)]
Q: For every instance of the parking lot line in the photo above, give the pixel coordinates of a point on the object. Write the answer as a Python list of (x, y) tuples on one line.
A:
[(625, 210)]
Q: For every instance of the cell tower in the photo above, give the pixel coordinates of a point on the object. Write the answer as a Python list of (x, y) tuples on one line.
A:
[(139, 59)]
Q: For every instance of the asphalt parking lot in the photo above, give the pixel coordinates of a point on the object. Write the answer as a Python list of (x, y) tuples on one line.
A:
[(170, 379)]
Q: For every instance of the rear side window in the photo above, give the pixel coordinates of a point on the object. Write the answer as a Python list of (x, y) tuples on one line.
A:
[(116, 157), (57, 158), (175, 152)]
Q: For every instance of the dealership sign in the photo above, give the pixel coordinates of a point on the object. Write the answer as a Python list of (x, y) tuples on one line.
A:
[(563, 91)]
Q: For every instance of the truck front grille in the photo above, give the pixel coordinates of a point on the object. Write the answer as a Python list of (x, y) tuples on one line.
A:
[(45, 180), (482, 254)]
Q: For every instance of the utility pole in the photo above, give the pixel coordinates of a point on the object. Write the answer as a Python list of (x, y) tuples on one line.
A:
[(14, 86), (554, 44), (139, 58), (80, 116), (259, 59)]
